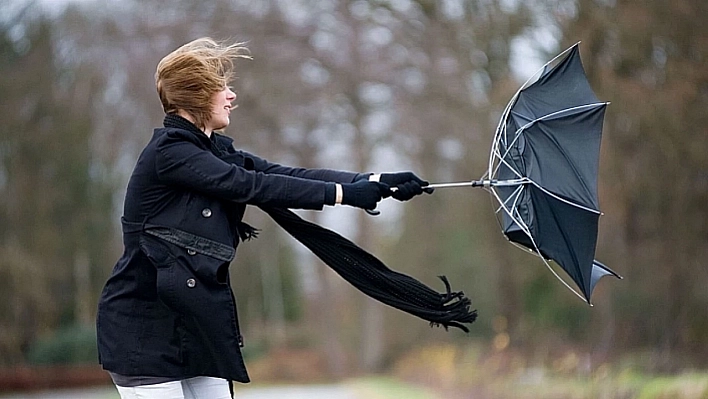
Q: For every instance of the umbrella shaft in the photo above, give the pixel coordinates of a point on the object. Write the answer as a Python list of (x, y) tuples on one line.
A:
[(474, 183), (483, 183)]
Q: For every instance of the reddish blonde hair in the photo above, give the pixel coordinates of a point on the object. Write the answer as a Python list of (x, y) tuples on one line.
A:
[(188, 77)]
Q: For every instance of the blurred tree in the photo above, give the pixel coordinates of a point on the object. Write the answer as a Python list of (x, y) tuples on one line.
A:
[(454, 85), (53, 198), (649, 60), (365, 85)]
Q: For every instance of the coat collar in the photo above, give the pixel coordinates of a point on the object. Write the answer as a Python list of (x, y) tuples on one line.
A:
[(216, 140), (178, 122)]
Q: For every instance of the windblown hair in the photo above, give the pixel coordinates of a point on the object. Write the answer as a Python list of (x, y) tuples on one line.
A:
[(188, 77)]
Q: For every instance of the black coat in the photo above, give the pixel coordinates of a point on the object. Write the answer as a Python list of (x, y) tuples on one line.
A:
[(167, 309)]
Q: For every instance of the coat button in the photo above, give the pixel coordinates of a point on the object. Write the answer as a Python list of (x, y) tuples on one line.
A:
[(206, 212), (191, 283), (191, 252)]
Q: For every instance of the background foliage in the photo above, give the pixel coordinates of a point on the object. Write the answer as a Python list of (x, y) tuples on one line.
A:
[(364, 85)]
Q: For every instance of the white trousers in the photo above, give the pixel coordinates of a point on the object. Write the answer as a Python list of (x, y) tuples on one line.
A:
[(191, 388)]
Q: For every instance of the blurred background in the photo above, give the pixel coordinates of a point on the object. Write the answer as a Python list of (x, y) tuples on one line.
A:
[(369, 85)]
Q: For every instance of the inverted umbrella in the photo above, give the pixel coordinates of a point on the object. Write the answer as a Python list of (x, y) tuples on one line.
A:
[(543, 170)]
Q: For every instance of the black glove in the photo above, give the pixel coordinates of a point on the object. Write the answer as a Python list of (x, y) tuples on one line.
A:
[(364, 194), (407, 183)]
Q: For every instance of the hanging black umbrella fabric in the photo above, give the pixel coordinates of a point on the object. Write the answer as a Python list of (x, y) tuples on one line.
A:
[(543, 170)]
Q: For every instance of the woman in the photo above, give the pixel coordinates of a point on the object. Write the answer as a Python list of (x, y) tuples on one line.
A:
[(167, 323)]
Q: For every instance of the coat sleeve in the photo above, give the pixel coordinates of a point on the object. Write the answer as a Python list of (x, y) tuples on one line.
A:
[(181, 162), (327, 175)]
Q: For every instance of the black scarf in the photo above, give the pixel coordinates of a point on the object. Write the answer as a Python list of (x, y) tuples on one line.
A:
[(370, 276)]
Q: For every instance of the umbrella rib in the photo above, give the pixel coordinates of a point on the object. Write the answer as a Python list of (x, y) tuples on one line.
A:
[(508, 148), (495, 148), (525, 180), (545, 262), (515, 194), (505, 115), (541, 69), (503, 161), (491, 170), (524, 227), (494, 167), (502, 205), (548, 266), (565, 237), (501, 130), (519, 222), (526, 126), (537, 252), (523, 86), (571, 165), (585, 208), (552, 114)]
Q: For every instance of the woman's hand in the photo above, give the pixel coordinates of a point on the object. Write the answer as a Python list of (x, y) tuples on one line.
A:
[(364, 194), (407, 184)]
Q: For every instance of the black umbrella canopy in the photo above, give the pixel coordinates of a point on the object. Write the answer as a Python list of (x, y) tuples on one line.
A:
[(550, 140)]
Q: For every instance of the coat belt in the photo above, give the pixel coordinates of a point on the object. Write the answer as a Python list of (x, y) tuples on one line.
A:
[(183, 239)]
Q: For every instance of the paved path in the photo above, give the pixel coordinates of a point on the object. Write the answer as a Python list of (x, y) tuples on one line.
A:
[(354, 389), (298, 392), (90, 393), (290, 392)]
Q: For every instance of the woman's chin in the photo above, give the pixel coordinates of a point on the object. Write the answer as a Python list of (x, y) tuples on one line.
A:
[(221, 126)]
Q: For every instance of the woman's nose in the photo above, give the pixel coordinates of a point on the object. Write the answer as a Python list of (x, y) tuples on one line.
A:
[(230, 95)]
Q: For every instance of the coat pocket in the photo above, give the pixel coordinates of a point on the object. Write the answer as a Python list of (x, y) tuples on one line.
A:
[(208, 269), (207, 258), (192, 283), (187, 266), (156, 250)]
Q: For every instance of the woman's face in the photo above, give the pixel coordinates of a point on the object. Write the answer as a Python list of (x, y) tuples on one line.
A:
[(220, 109)]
